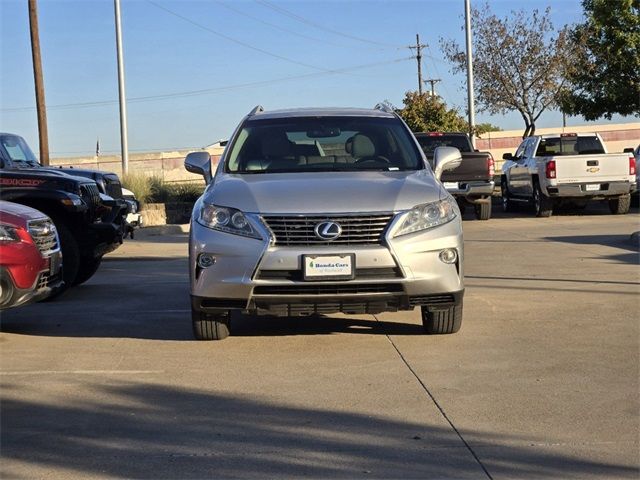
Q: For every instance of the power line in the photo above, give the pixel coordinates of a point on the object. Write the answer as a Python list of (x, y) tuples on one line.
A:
[(277, 27), (234, 40), (207, 91), (294, 16)]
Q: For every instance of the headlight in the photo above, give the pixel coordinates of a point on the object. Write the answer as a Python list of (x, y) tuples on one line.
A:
[(427, 216), (8, 234), (227, 220)]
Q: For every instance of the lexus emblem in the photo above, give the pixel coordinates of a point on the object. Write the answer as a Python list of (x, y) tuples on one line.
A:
[(327, 230)]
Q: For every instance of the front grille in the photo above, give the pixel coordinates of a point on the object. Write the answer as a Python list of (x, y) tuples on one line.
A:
[(361, 274), (112, 186), (44, 235), (305, 308), (443, 299), (356, 229), (45, 280), (329, 289), (91, 196)]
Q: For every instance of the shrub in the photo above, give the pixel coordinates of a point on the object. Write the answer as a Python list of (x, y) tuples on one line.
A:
[(153, 189)]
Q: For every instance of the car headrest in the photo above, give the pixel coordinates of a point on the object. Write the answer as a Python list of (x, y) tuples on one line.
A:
[(276, 145), (362, 146)]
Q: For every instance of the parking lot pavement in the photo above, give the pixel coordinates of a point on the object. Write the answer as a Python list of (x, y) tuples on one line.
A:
[(541, 382)]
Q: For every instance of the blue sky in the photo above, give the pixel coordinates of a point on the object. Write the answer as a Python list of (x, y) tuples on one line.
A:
[(206, 63)]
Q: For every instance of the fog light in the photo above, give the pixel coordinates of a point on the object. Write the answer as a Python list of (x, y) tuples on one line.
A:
[(449, 255), (206, 260)]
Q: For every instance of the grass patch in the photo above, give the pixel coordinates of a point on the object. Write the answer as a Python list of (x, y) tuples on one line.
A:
[(152, 189)]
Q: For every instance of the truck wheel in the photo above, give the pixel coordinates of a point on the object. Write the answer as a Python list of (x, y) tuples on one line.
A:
[(70, 256), (620, 205), (88, 266), (483, 210), (507, 203), (542, 204), (442, 321), (210, 326)]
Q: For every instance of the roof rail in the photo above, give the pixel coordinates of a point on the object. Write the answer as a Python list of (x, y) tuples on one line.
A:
[(256, 109), (384, 107)]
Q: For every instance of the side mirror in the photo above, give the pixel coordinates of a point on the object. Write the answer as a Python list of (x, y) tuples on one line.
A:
[(446, 158), (507, 156), (628, 150), (200, 163)]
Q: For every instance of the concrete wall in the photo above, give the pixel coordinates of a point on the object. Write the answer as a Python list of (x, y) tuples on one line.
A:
[(167, 165), (170, 165)]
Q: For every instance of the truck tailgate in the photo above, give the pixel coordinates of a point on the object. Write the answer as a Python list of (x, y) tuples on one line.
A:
[(591, 168), (473, 167)]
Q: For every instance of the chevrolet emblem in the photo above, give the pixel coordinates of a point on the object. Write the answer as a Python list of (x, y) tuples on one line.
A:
[(593, 170)]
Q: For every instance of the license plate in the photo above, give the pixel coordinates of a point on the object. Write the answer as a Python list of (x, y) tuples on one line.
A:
[(451, 185), (329, 267), (592, 187), (55, 262)]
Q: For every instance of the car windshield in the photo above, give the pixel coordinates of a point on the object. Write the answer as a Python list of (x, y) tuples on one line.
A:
[(17, 150), (323, 144)]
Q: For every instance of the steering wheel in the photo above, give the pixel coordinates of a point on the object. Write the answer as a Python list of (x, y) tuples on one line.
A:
[(373, 158)]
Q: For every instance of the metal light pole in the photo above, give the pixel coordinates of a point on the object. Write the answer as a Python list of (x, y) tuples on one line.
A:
[(467, 18), (122, 96)]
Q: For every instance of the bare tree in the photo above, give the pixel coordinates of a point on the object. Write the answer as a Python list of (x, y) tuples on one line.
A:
[(519, 62)]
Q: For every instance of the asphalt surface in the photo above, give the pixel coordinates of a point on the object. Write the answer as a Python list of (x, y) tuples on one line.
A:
[(542, 381)]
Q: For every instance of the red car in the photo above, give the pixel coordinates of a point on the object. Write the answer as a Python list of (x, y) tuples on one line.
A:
[(30, 258)]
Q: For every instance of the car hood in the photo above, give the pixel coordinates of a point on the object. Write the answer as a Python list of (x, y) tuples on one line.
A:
[(324, 192)]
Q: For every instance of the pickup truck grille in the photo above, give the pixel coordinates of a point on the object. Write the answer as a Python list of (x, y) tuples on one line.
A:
[(356, 229), (44, 235)]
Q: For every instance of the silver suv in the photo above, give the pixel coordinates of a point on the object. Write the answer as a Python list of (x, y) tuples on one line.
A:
[(316, 211)]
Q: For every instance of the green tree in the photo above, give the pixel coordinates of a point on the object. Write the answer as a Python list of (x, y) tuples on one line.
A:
[(519, 62), (605, 79), (424, 113), (481, 128)]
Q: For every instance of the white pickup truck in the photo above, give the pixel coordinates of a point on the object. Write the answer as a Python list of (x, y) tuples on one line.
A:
[(567, 167)]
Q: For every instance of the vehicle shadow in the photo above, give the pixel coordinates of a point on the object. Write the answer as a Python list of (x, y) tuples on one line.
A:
[(253, 326), (130, 430), (523, 210), (623, 242)]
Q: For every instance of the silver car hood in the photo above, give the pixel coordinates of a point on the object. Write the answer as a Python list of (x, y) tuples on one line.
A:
[(324, 192)]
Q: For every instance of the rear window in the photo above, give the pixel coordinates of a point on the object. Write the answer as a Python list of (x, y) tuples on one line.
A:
[(569, 145), (430, 142), (323, 144)]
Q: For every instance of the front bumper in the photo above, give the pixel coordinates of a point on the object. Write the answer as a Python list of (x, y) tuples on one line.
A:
[(260, 277), (12, 295)]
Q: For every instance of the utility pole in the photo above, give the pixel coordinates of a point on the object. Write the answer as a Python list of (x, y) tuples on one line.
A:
[(472, 120), (124, 144), (41, 107), (418, 48), (433, 81)]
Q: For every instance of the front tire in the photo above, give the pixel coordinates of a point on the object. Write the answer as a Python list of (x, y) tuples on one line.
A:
[(620, 205), (507, 203), (210, 326), (483, 210), (88, 267), (70, 259), (542, 204), (439, 322)]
